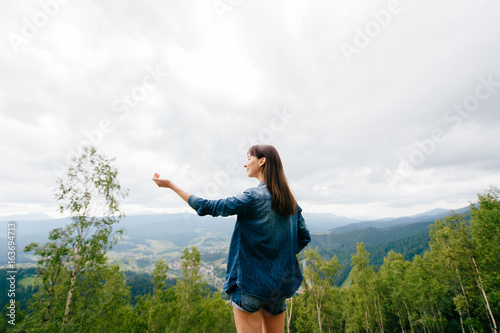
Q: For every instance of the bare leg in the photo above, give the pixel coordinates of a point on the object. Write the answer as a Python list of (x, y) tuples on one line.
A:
[(273, 324), (248, 322)]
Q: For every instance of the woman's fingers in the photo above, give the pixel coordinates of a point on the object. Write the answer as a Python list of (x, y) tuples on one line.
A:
[(161, 182)]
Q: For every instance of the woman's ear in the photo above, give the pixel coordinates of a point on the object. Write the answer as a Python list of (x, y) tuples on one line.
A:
[(262, 161)]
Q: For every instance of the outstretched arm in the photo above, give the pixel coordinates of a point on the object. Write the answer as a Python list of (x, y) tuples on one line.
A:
[(168, 184)]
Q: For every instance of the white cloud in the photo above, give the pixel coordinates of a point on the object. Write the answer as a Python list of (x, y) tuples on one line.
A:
[(221, 83)]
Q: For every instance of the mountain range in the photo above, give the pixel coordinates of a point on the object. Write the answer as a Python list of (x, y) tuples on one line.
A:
[(181, 230), (406, 235)]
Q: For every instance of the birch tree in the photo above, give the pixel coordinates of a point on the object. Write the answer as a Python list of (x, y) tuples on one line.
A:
[(90, 195), (318, 280)]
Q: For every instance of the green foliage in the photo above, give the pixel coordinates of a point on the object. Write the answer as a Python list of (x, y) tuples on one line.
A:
[(409, 240), (195, 310), (316, 306), (185, 307), (24, 290), (453, 287)]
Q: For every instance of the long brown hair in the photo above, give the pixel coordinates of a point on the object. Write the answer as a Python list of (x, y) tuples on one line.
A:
[(274, 177)]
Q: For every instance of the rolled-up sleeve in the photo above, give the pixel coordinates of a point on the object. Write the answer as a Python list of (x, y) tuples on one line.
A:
[(303, 236), (221, 207)]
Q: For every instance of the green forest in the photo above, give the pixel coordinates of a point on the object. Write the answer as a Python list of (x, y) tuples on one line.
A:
[(452, 286)]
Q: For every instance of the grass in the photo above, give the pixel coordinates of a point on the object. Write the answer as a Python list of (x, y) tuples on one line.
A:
[(30, 281), (347, 282)]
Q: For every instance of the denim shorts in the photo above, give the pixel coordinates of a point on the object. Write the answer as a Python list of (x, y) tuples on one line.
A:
[(245, 302)]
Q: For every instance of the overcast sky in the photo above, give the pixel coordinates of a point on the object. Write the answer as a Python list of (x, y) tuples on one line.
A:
[(378, 108)]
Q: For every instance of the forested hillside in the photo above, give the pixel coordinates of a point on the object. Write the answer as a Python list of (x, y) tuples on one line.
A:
[(452, 287), (409, 240)]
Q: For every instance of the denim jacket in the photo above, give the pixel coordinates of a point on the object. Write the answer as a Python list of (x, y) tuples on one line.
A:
[(262, 255)]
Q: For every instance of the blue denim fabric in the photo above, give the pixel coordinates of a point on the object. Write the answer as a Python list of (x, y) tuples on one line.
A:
[(248, 303), (262, 255)]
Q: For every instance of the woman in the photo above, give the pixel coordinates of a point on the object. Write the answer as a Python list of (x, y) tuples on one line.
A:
[(262, 267)]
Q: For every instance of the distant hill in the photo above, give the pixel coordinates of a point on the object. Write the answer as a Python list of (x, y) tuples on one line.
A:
[(407, 235), (174, 231), (25, 217), (152, 236), (388, 222), (321, 222)]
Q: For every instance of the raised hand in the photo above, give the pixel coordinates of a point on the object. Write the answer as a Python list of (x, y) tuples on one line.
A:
[(161, 182)]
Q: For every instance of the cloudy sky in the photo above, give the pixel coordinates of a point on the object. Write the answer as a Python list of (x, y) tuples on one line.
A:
[(378, 108)]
